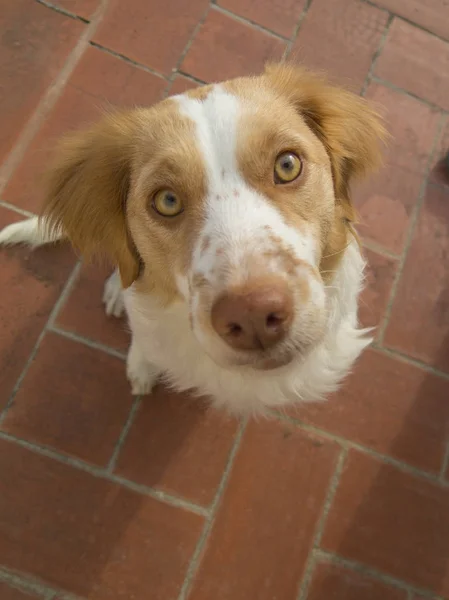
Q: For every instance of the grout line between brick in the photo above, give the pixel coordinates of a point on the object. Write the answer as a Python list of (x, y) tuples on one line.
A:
[(20, 211), (351, 445), (164, 497), (396, 354), (192, 78), (101, 473), (332, 490), (377, 54), (128, 60), (27, 583), (167, 91), (124, 434), (86, 342), (445, 464), (363, 569), (249, 22), (62, 297), (407, 20), (49, 98), (195, 560), (411, 230), (189, 43), (405, 92), (62, 11), (378, 249), (297, 28)]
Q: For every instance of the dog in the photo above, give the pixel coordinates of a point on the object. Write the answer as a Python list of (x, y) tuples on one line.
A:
[(227, 213)]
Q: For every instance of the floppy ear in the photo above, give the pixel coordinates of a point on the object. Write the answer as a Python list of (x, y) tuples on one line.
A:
[(349, 128), (87, 188)]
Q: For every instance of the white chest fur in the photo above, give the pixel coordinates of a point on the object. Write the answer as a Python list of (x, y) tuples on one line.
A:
[(164, 340)]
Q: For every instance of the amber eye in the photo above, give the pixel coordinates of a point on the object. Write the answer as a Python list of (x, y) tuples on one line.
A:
[(287, 167), (167, 203)]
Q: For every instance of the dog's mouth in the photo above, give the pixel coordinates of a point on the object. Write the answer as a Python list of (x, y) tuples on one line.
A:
[(261, 362)]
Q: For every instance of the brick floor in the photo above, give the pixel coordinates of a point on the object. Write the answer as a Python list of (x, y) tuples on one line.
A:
[(104, 497)]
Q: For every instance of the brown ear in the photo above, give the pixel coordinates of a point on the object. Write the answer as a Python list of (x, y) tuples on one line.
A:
[(348, 127), (87, 189)]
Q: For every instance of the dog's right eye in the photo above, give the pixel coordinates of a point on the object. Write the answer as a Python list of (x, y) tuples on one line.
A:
[(167, 204), (287, 167)]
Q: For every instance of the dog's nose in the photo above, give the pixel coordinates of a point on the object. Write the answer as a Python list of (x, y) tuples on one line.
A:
[(254, 318)]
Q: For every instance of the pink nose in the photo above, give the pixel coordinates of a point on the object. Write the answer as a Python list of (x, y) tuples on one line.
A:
[(254, 318)]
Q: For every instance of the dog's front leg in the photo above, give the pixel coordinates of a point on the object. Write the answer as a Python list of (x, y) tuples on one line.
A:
[(142, 375), (113, 295)]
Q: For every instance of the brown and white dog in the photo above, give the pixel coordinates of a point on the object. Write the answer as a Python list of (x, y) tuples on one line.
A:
[(227, 212)]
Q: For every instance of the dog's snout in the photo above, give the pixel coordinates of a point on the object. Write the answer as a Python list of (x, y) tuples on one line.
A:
[(254, 318)]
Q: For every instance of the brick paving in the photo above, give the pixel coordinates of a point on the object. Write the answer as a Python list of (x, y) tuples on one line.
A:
[(105, 497)]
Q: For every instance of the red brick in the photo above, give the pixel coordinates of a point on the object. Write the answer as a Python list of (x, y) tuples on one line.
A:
[(432, 14), (419, 324), (82, 8), (73, 399), (182, 84), (280, 16), (115, 81), (335, 582), (267, 518), (341, 37), (87, 535), (392, 521), (422, 72), (31, 282), (179, 445), (36, 42), (412, 125), (392, 407), (380, 273), (238, 49), (384, 204), (99, 81), (148, 34), (84, 312), (12, 593)]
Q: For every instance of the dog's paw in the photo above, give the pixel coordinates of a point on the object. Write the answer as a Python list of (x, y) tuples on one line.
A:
[(141, 375), (113, 296)]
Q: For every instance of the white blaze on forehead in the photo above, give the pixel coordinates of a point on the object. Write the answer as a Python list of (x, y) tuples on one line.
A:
[(216, 119), (238, 219)]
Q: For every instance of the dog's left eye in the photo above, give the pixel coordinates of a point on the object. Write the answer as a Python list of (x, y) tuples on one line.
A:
[(167, 203), (287, 167)]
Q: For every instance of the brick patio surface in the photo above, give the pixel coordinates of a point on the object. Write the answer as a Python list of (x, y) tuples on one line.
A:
[(105, 497)]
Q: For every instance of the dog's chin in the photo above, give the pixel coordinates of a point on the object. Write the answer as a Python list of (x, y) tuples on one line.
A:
[(261, 362)]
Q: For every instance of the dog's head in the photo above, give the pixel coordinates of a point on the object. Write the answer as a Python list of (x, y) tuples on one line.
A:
[(232, 198)]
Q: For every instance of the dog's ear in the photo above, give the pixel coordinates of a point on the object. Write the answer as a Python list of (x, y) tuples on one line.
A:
[(87, 188), (349, 128)]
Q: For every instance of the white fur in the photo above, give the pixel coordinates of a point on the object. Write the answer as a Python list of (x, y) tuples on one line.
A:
[(113, 295)]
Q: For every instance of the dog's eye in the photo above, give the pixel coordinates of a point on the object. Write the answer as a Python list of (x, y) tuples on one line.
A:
[(287, 167), (167, 203)]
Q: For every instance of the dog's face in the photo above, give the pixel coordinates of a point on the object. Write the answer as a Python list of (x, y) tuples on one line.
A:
[(233, 198)]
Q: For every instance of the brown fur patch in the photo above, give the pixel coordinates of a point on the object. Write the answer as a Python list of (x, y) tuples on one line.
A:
[(87, 188), (334, 131)]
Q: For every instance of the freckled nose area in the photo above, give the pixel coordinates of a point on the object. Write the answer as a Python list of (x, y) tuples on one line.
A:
[(256, 317)]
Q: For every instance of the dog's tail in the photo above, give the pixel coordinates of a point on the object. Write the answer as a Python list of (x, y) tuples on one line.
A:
[(33, 232)]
